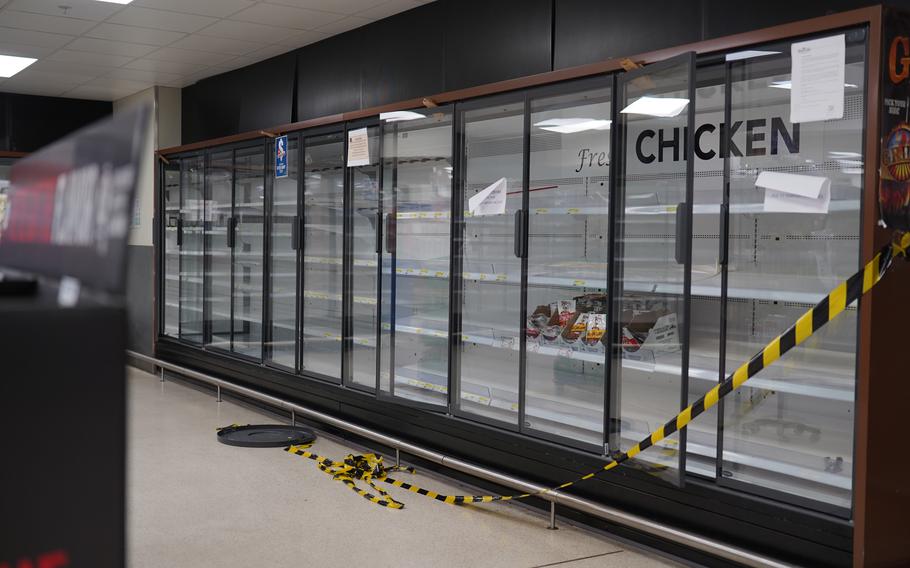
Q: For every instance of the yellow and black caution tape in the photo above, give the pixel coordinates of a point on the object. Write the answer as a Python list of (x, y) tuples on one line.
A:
[(369, 467)]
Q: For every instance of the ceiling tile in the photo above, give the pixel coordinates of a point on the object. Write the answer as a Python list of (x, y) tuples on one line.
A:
[(216, 44), (303, 38), (216, 8), (110, 47), (201, 57), (344, 25), (44, 23), (159, 19), (46, 90), (269, 51), (70, 79), (336, 6), (27, 37), (89, 58), (154, 77), (82, 9), (287, 16), (25, 50), (387, 9), (115, 83), (69, 68), (248, 31), (134, 34), (179, 67)]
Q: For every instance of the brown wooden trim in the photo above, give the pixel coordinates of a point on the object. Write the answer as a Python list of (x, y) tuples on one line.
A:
[(8, 154), (803, 27), (870, 241)]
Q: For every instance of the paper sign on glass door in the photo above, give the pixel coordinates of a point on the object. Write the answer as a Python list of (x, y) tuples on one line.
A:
[(490, 201), (358, 148), (817, 80), (792, 193)]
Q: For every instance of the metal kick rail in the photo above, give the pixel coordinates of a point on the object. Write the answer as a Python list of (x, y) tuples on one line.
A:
[(611, 514)]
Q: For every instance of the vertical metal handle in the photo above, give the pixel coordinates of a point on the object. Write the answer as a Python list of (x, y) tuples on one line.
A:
[(722, 237), (179, 232), (519, 233), (230, 232), (295, 233), (682, 232), (390, 233), (378, 233)]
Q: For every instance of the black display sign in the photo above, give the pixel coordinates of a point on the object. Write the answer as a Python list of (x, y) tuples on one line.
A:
[(894, 170), (68, 209)]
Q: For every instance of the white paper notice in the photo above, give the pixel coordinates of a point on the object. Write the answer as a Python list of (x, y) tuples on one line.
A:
[(491, 200), (792, 193), (358, 148), (817, 79)]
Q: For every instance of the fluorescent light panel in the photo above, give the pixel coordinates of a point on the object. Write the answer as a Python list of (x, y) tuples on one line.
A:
[(573, 125), (748, 54), (789, 85), (399, 115), (116, 1), (661, 107), (12, 64)]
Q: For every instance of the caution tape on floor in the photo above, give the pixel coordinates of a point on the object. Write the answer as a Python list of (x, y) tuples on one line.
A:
[(369, 468)]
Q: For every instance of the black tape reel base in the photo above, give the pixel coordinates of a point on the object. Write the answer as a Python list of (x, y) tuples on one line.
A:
[(265, 436)]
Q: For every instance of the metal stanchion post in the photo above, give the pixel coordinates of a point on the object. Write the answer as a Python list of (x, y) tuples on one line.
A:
[(293, 418), (397, 457), (552, 526), (219, 393), (161, 373)]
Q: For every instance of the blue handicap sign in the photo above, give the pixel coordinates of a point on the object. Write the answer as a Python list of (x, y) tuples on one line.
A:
[(281, 157)]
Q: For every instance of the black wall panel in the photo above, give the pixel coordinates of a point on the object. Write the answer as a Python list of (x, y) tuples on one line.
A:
[(587, 31), (404, 57), (211, 108), (33, 122), (266, 92), (328, 80), (493, 40), (725, 18)]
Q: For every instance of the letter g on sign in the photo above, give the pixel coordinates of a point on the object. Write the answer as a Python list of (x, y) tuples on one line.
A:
[(895, 75)]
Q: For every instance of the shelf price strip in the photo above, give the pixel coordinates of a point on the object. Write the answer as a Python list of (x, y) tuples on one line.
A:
[(369, 467)]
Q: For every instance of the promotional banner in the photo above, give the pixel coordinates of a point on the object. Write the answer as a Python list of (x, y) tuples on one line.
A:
[(894, 171), (68, 208)]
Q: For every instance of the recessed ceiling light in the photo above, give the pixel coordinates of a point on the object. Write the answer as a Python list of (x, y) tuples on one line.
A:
[(116, 1), (12, 64), (661, 107), (398, 115), (573, 125)]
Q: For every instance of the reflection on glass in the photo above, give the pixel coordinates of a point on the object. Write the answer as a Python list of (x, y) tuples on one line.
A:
[(648, 374), (491, 287), (416, 208), (249, 224), (219, 184), (790, 429), (323, 228), (192, 249), (283, 267), (365, 222), (567, 265), (171, 196)]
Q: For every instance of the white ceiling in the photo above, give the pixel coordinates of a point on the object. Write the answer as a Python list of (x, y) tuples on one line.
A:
[(96, 50)]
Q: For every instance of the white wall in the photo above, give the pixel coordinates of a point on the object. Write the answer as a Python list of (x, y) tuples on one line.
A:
[(141, 234)]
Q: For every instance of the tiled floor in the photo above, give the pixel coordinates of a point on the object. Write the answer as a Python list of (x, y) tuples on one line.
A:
[(194, 502)]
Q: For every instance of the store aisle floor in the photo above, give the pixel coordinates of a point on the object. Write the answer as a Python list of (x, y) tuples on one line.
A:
[(193, 502)]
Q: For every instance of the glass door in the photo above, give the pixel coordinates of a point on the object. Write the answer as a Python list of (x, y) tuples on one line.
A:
[(364, 226), (788, 433), (284, 242), (247, 228), (416, 211), (218, 205), (490, 222), (653, 254), (323, 254), (192, 248), (170, 189), (568, 232)]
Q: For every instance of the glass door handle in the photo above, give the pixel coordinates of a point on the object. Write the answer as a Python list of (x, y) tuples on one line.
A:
[(378, 233), (390, 233), (682, 232), (295, 234), (519, 233), (231, 224), (723, 228), (179, 233)]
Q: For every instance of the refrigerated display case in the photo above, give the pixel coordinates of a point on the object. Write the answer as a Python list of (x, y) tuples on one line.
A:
[(546, 273)]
